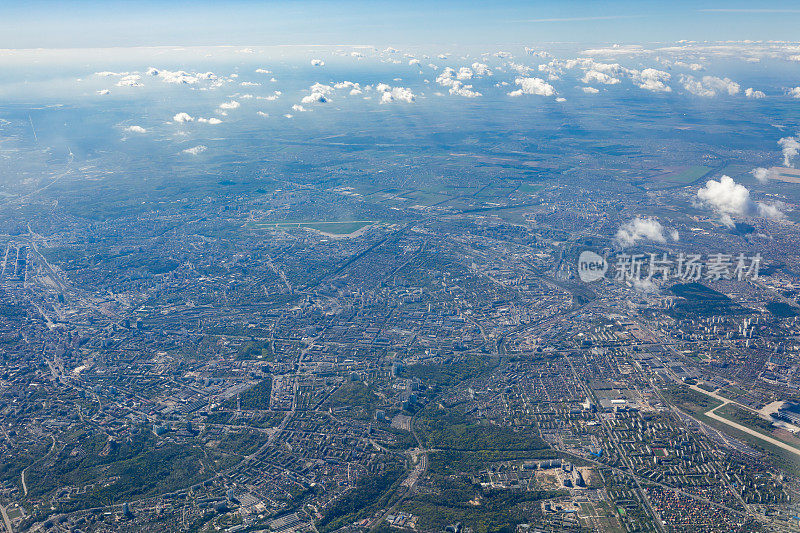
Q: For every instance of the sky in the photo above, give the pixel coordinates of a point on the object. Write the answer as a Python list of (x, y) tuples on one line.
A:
[(116, 23)]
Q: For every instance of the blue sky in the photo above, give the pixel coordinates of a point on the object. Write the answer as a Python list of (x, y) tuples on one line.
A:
[(61, 24)]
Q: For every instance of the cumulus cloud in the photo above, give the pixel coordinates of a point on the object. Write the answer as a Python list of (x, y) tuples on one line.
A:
[(642, 229), (194, 150), (212, 120), (536, 86), (709, 86), (135, 129), (790, 146), (772, 212), (262, 114), (481, 69), (317, 63), (183, 117), (131, 80), (592, 76), (180, 77), (752, 93), (591, 90), (452, 79), (763, 174), (728, 199), (794, 92), (534, 53), (652, 79), (270, 98), (263, 71), (298, 108), (319, 94), (395, 94)]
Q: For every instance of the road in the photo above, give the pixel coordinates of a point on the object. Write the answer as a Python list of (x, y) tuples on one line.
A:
[(6, 519)]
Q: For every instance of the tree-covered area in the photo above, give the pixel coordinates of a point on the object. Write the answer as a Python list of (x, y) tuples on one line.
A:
[(256, 397), (255, 350), (449, 429), (353, 394), (119, 470), (372, 493), (458, 500), (448, 374)]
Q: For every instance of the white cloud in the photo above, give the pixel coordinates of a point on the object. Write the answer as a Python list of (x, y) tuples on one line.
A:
[(212, 120), (560, 99), (481, 69), (640, 229), (592, 76), (790, 147), (181, 77), (536, 86), (617, 50), (271, 97), (464, 73), (298, 108), (233, 104), (771, 212), (395, 94), (314, 98), (131, 80), (317, 63), (465, 91), (262, 114), (534, 53), (263, 71), (414, 61), (183, 117), (591, 90), (103, 92), (709, 86), (135, 129), (319, 94), (722, 84), (652, 79), (728, 199), (195, 150), (108, 74), (288, 115), (763, 174), (794, 92), (250, 84), (752, 93)]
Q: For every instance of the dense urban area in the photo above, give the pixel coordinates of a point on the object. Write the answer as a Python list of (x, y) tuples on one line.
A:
[(466, 331)]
